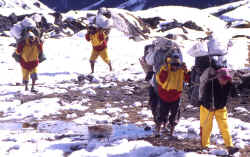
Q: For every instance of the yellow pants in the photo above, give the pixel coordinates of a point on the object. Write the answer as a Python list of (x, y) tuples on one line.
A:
[(29, 73), (206, 123), (103, 54)]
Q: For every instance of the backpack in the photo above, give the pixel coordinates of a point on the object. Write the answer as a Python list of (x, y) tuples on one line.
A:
[(203, 71), (212, 45), (159, 50)]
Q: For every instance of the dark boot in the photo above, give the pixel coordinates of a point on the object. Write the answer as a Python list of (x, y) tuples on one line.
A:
[(92, 65), (110, 66), (157, 130), (172, 129), (165, 127), (26, 85), (33, 87), (149, 75), (232, 150)]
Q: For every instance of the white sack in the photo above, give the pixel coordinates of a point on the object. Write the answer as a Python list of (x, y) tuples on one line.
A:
[(198, 49), (103, 22), (28, 22), (16, 30), (217, 46)]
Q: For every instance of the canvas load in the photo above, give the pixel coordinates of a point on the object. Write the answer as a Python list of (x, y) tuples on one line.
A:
[(17, 30), (155, 55), (160, 49), (103, 18), (214, 46)]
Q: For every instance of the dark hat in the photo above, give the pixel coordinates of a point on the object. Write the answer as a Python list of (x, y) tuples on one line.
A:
[(175, 61), (224, 74), (93, 26)]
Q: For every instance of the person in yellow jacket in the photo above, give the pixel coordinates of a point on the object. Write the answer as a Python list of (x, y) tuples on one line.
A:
[(170, 80), (213, 104), (29, 52), (98, 39)]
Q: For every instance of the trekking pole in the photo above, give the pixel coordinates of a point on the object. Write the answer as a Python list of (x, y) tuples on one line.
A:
[(180, 106), (212, 107)]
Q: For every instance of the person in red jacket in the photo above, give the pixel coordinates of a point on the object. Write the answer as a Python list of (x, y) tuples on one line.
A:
[(98, 39), (29, 51), (170, 80)]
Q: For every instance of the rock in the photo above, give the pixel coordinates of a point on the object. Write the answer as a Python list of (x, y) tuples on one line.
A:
[(192, 25), (100, 131), (152, 22), (38, 5), (81, 78), (147, 128), (5, 23)]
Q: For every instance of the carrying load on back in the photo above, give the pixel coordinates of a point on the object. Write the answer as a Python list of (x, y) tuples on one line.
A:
[(20, 30), (123, 21), (155, 54), (209, 56), (166, 71)]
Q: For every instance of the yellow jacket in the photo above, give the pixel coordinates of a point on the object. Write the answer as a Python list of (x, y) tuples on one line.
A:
[(170, 83), (29, 53), (98, 40)]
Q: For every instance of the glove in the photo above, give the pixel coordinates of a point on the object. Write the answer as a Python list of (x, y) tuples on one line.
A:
[(184, 67), (16, 57), (41, 57), (149, 75)]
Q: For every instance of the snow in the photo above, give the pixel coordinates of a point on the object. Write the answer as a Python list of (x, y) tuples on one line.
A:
[(181, 14), (20, 7), (66, 59), (234, 14)]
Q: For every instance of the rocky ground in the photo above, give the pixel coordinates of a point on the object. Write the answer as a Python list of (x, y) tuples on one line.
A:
[(125, 94)]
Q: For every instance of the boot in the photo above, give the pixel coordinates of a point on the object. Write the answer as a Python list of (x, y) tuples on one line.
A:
[(157, 130), (92, 65), (149, 75), (33, 87), (165, 127), (172, 130), (26, 86), (110, 66), (232, 150)]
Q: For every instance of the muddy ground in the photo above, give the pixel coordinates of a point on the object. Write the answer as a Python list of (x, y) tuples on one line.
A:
[(126, 93)]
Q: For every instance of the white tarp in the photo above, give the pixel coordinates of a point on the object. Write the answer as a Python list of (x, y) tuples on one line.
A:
[(16, 30), (214, 46)]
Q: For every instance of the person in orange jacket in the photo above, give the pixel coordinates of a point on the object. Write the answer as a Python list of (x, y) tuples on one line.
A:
[(29, 53), (170, 80), (98, 39)]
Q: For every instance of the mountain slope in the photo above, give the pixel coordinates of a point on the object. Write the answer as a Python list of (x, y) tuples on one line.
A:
[(66, 5)]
